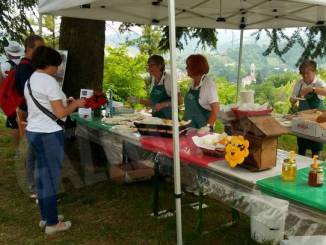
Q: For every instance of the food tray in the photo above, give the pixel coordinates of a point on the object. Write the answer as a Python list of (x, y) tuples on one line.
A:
[(213, 153), (239, 113), (159, 130)]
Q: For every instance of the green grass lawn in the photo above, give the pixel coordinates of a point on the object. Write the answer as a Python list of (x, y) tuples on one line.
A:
[(103, 213)]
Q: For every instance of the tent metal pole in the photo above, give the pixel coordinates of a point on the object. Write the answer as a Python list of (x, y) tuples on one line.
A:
[(40, 25), (176, 156), (239, 66)]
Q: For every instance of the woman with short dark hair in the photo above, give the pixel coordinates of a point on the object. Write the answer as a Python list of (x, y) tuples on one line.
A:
[(160, 91), (312, 90), (45, 136), (201, 100)]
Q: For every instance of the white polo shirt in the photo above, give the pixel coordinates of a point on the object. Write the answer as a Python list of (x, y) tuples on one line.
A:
[(208, 92), (317, 83), (44, 89)]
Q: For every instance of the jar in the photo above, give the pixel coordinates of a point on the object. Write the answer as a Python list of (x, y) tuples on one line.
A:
[(289, 170)]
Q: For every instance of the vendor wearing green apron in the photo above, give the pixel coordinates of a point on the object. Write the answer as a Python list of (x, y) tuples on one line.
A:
[(201, 100), (312, 90), (160, 93)]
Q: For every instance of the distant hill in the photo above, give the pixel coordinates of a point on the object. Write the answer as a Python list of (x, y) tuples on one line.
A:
[(223, 60)]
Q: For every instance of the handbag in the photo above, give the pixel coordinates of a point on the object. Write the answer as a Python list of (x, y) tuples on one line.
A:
[(60, 122)]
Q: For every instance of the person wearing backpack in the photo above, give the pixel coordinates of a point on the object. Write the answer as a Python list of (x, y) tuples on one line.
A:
[(24, 71), (14, 52)]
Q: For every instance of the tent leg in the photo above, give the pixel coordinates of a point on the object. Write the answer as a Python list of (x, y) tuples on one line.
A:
[(156, 180), (239, 65)]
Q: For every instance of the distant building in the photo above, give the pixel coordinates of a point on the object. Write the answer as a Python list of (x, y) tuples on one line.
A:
[(251, 78)]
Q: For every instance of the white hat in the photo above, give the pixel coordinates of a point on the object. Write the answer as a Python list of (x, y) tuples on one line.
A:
[(14, 49)]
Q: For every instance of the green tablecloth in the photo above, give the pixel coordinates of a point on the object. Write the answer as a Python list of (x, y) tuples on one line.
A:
[(92, 123), (298, 191)]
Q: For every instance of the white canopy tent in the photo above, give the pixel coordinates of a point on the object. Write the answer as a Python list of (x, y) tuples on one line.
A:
[(219, 14)]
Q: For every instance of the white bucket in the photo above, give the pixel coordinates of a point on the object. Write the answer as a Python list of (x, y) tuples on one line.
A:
[(268, 221), (247, 97)]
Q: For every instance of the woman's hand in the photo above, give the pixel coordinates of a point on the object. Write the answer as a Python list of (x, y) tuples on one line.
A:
[(160, 106), (204, 130), (305, 91)]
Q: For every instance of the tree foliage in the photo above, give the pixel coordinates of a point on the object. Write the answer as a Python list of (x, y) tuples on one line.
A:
[(207, 37), (148, 42), (14, 23), (124, 74), (310, 39)]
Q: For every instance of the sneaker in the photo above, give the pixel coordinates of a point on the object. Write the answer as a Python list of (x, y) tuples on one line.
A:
[(33, 195), (61, 226), (42, 223)]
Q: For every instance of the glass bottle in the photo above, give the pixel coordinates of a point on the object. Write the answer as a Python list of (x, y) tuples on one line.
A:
[(289, 168), (316, 174)]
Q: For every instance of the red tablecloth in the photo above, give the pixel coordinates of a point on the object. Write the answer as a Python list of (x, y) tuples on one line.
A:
[(189, 152)]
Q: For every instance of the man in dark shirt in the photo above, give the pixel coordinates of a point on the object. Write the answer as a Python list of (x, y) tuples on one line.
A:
[(23, 72)]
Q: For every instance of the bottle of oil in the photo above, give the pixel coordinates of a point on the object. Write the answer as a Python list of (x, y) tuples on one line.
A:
[(316, 174), (289, 168)]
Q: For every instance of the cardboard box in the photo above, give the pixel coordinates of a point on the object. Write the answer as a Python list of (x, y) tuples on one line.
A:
[(262, 133), (130, 172), (309, 128)]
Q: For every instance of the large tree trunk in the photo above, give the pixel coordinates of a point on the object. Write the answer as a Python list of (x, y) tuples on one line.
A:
[(84, 40)]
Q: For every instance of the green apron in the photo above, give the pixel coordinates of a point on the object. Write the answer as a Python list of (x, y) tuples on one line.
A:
[(158, 95), (194, 111), (312, 102)]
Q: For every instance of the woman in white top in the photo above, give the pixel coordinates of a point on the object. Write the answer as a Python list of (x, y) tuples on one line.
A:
[(311, 90), (45, 135), (201, 101)]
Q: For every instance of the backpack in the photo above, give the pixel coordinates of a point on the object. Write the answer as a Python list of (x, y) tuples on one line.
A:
[(10, 99)]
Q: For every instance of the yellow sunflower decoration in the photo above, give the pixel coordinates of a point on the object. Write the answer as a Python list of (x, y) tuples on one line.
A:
[(236, 150)]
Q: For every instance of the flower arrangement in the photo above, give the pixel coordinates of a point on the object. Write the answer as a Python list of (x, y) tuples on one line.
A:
[(96, 101), (236, 150)]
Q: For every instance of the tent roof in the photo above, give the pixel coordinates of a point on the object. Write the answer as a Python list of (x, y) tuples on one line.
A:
[(221, 14)]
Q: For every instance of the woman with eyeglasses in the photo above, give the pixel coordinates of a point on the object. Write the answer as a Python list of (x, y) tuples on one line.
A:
[(309, 93), (160, 90), (201, 100)]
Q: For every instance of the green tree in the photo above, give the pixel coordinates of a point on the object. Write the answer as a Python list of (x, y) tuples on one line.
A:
[(311, 40), (226, 91), (14, 23), (124, 74), (148, 42), (281, 79)]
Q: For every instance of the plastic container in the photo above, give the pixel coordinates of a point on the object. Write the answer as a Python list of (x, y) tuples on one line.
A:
[(316, 174), (239, 113), (267, 222), (289, 168)]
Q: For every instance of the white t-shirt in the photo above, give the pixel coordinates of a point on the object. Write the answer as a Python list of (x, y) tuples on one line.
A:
[(166, 79), (208, 92), (44, 89), (317, 83)]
